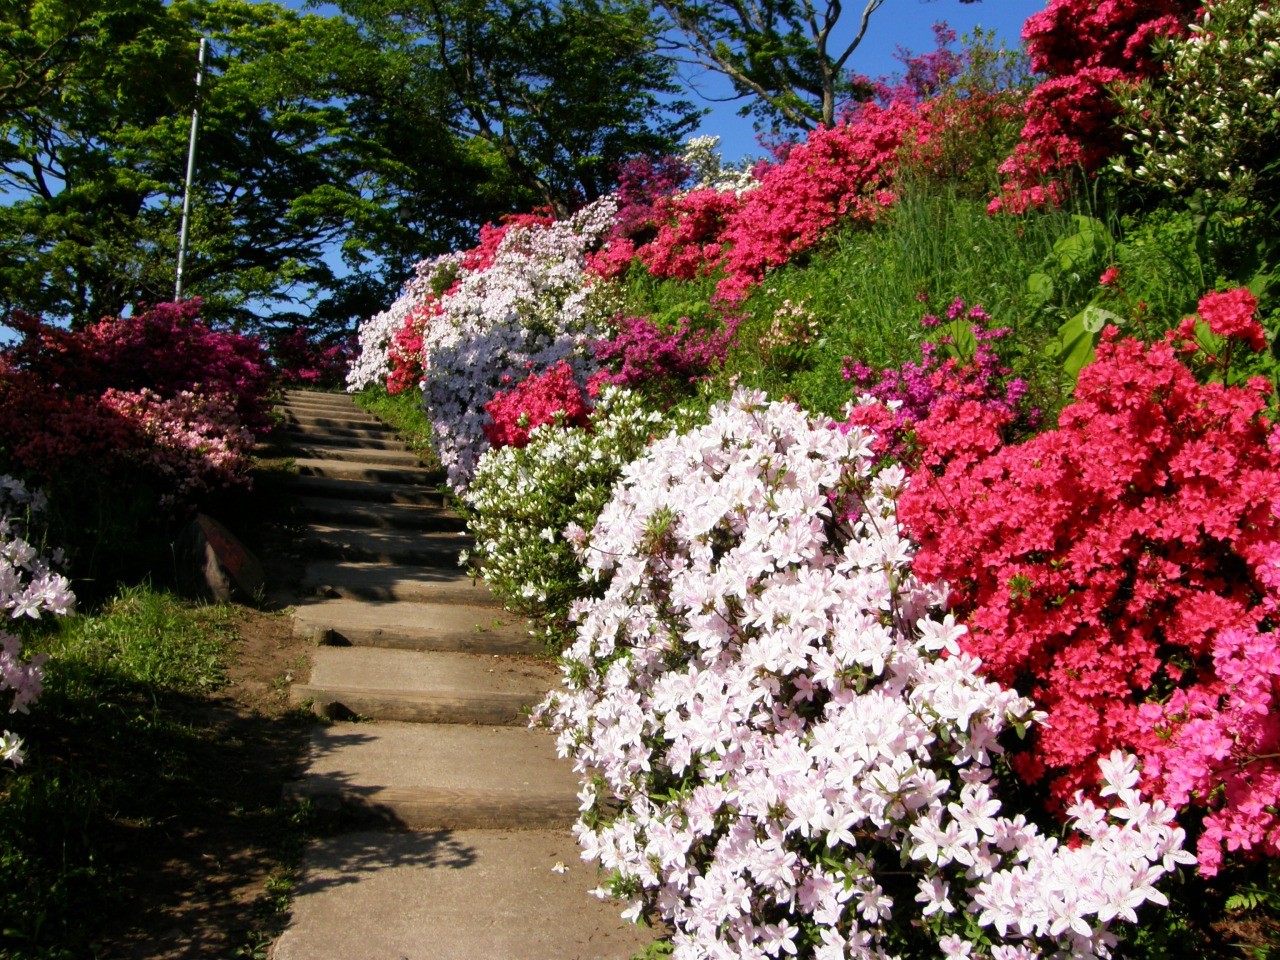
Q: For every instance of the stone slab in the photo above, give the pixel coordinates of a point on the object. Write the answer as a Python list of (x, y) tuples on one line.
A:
[(381, 581), (438, 548), (347, 470), (314, 418), (370, 491), (369, 439), (415, 776), (398, 457), (410, 671), (453, 895), (389, 516), (413, 626)]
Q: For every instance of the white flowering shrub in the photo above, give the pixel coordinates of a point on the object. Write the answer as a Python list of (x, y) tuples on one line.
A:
[(373, 362), (1212, 120), (523, 500), (710, 172), (28, 588), (787, 752), (533, 307)]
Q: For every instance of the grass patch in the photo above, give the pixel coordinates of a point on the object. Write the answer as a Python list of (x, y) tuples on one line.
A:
[(867, 290), (403, 413), (141, 786)]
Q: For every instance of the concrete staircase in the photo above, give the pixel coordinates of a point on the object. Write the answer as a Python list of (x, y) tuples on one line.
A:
[(458, 844)]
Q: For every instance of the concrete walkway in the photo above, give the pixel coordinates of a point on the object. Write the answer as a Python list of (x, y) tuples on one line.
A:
[(457, 842)]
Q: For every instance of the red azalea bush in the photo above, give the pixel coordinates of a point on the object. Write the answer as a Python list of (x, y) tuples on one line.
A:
[(841, 172), (301, 360), (689, 239), (1085, 49), (550, 397), (160, 391), (405, 352), (1124, 571)]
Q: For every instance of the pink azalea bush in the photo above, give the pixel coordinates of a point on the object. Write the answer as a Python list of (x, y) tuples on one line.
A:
[(29, 587), (194, 442), (894, 402), (787, 751), (160, 392), (643, 355), (1123, 570)]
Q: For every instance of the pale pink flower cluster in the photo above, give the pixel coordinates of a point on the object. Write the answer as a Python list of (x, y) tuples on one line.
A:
[(28, 587), (532, 308), (786, 751), (196, 441)]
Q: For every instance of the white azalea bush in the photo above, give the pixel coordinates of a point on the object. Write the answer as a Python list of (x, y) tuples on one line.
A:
[(1211, 121), (522, 500), (532, 308), (373, 360), (28, 587), (787, 753)]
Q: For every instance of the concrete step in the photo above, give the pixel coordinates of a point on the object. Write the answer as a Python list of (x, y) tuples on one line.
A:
[(453, 895), (370, 491), (395, 457), (415, 687), (387, 516), (319, 397), (414, 626), (370, 439), (310, 417), (380, 581), (427, 548), (431, 777), (353, 434), (373, 473)]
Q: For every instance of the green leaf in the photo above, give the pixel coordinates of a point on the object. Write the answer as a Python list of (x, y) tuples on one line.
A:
[(1077, 345)]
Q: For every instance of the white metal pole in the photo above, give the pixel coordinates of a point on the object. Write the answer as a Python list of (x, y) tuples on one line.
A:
[(191, 171)]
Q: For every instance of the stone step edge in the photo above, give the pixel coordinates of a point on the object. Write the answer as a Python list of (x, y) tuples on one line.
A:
[(489, 709), (371, 491), (330, 545), (463, 591), (433, 808), (390, 638), (373, 515)]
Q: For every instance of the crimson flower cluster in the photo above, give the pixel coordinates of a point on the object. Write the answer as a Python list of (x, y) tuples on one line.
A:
[(1124, 571), (301, 360), (405, 351), (1085, 50), (165, 348), (549, 397)]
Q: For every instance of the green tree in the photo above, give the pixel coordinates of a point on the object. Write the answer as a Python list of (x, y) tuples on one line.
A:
[(318, 181), (789, 57), (559, 93)]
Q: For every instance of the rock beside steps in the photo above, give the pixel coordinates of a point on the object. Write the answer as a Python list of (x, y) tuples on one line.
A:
[(458, 844)]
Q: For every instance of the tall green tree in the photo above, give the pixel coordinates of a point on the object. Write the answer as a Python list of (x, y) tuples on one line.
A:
[(789, 58), (333, 151), (560, 92)]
